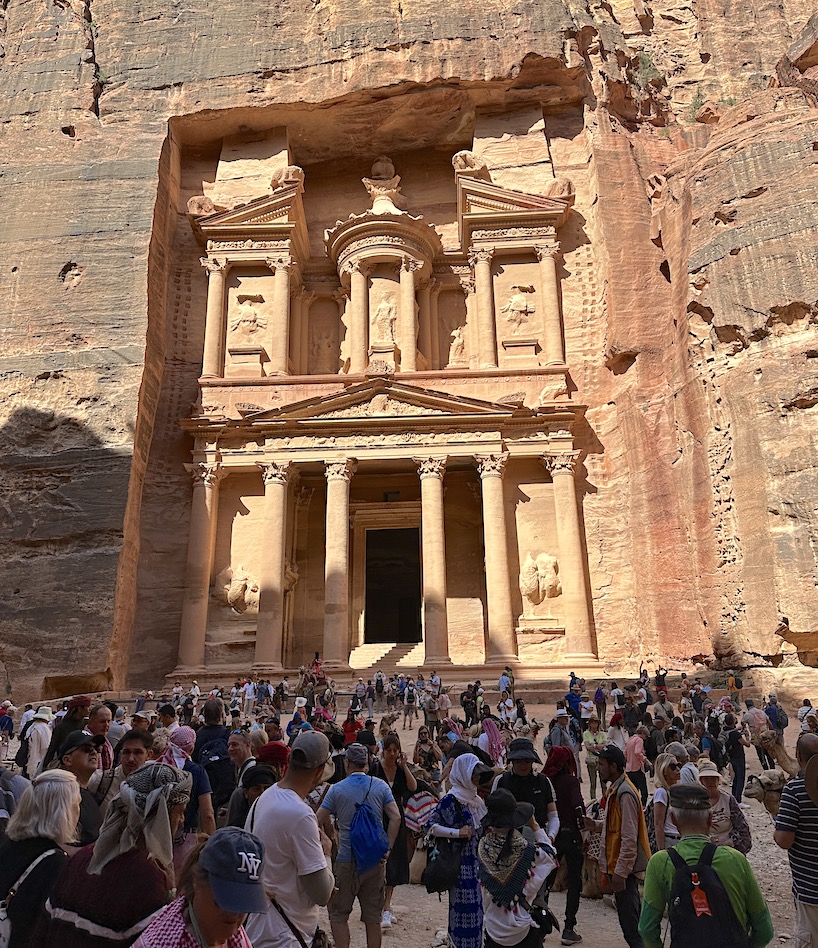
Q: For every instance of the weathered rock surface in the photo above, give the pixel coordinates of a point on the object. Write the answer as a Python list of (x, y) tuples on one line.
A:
[(690, 302)]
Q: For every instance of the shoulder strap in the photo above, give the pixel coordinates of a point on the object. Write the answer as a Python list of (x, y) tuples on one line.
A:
[(28, 871), (676, 859), (252, 814), (298, 936), (706, 858)]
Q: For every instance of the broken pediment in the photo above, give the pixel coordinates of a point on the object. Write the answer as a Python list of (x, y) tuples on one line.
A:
[(384, 398), (486, 211), (274, 216)]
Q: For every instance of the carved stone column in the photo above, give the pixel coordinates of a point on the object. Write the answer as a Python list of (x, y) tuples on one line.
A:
[(359, 317), (296, 316), (433, 539), (306, 302), (580, 642), (407, 316), (553, 343), (214, 320), (424, 319), (279, 353), (336, 564), (270, 628), (203, 512), (434, 324), (502, 637), (486, 325)]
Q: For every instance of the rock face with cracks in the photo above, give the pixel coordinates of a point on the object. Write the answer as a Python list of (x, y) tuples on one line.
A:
[(690, 294)]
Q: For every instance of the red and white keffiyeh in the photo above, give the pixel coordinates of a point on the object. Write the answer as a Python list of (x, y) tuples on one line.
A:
[(170, 929)]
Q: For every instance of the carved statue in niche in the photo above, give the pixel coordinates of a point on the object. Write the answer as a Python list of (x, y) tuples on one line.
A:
[(235, 587), (457, 349), (324, 353), (519, 306), (539, 578), (383, 324), (285, 176), (247, 320)]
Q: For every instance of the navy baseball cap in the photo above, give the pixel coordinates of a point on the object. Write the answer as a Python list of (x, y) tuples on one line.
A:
[(233, 860)]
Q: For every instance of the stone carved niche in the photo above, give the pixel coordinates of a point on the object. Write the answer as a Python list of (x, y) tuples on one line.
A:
[(247, 319), (539, 579)]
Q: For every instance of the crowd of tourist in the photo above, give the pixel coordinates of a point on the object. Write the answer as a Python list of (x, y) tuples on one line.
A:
[(220, 818)]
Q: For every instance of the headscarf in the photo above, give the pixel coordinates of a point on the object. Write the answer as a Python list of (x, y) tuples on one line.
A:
[(180, 747), (463, 790), (617, 719), (276, 754), (496, 743), (560, 759), (450, 725), (142, 810), (725, 704)]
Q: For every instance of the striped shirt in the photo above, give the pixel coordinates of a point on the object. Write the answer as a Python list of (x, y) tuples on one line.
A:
[(798, 814)]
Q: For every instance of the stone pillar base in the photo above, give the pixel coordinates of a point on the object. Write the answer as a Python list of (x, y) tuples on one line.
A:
[(337, 667), (503, 660), (431, 662), (181, 672)]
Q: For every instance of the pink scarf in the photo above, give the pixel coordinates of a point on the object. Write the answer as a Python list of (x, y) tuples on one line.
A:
[(180, 747), (496, 742)]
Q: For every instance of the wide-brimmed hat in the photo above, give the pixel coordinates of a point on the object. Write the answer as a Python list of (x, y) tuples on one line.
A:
[(44, 713), (562, 713), (522, 749), (504, 812), (301, 702), (708, 769)]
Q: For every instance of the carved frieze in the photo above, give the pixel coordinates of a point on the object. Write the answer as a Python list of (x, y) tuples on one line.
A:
[(381, 405), (248, 244), (521, 233)]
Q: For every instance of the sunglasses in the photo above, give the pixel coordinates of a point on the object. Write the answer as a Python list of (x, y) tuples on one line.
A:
[(673, 767), (88, 748)]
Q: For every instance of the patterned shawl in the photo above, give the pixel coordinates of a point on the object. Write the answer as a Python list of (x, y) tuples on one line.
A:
[(170, 929), (506, 861)]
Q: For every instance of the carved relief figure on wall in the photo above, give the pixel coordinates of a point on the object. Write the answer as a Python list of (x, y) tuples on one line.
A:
[(457, 349), (520, 306), (324, 353), (539, 578), (247, 318), (383, 323), (235, 587)]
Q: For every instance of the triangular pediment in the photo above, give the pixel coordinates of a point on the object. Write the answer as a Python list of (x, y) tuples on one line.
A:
[(482, 204), (278, 216), (381, 399)]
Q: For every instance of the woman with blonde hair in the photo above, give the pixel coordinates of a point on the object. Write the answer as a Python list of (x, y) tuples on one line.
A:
[(33, 854), (667, 771)]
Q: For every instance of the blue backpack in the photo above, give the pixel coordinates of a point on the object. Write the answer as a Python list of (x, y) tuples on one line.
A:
[(367, 836)]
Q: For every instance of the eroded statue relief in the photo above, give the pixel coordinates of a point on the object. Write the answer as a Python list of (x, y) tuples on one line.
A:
[(247, 320), (325, 356), (468, 161), (235, 587), (520, 306), (383, 324), (457, 349), (560, 187), (539, 578)]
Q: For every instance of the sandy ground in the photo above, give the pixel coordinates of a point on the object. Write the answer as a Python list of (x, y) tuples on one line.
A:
[(420, 915)]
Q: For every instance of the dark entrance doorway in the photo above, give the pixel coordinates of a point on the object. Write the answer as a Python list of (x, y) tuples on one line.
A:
[(393, 585)]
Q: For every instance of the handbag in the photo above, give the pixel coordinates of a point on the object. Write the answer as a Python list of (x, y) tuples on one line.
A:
[(443, 859), (320, 939), (5, 921)]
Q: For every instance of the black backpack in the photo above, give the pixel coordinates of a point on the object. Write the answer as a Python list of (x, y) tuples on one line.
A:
[(219, 769), (21, 757), (699, 909)]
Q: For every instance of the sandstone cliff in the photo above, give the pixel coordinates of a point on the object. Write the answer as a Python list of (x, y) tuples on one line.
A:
[(691, 306)]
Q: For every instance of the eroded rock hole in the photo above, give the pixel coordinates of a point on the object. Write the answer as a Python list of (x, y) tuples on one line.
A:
[(69, 130), (664, 269)]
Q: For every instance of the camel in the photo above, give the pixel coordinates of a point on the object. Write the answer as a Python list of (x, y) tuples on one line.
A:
[(770, 742), (766, 788)]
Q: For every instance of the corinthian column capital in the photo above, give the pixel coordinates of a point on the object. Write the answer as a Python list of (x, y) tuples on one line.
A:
[(547, 252), (482, 255), (431, 467), (491, 465), (207, 474), (213, 264), (410, 264), (284, 262), (563, 463), (274, 472), (340, 470)]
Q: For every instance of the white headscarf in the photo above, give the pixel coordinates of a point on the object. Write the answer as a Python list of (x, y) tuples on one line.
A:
[(463, 790)]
